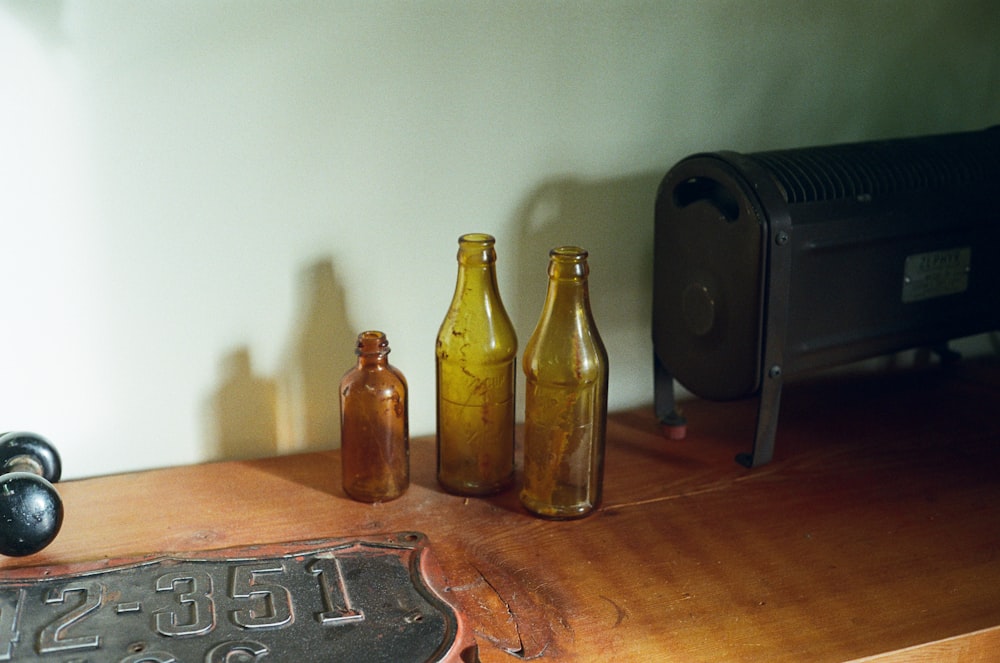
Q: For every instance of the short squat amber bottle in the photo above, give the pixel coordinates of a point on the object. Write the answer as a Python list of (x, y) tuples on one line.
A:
[(374, 424), (566, 397), (476, 364)]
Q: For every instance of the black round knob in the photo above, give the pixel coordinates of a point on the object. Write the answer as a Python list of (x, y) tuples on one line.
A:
[(31, 512), (30, 452)]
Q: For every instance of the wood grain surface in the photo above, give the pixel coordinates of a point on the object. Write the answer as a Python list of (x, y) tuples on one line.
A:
[(875, 532)]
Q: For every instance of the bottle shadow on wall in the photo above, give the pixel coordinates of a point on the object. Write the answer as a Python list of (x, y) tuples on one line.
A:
[(244, 410), (613, 220), (297, 409), (321, 351)]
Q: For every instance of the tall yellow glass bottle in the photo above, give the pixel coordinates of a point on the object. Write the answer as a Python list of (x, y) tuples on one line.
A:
[(566, 396), (476, 357)]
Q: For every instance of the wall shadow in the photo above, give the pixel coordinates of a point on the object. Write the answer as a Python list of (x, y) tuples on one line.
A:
[(243, 410), (613, 220), (44, 19), (320, 352), (297, 409)]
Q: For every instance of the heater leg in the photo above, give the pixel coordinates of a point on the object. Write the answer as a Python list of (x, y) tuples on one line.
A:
[(767, 422), (665, 401), (946, 354)]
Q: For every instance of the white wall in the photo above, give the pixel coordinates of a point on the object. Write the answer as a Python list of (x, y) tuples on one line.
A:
[(204, 201)]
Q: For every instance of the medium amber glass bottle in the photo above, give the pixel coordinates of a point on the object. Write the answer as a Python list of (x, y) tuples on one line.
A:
[(374, 424), (476, 358), (566, 396)]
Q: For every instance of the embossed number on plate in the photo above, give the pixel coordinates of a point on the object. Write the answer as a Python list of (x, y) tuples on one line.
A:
[(344, 600)]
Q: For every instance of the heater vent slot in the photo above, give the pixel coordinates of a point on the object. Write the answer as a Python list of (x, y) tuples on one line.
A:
[(878, 168)]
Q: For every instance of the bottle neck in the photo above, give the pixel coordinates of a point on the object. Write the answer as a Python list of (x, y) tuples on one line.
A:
[(565, 348), (476, 264), (479, 275), (372, 349), (568, 272)]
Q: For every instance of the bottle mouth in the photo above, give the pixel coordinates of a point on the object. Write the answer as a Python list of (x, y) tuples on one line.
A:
[(568, 263), (569, 253), (476, 249), (483, 239), (372, 341)]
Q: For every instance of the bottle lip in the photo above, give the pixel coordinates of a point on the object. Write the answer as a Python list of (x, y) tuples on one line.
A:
[(568, 263), (569, 253), (483, 239), (372, 341), (477, 249)]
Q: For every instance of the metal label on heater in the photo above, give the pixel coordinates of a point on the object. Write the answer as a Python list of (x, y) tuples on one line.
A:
[(936, 274)]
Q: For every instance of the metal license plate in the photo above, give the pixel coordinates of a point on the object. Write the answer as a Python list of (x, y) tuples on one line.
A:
[(335, 600)]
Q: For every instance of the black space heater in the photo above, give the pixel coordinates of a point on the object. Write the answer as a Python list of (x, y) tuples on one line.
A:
[(774, 263)]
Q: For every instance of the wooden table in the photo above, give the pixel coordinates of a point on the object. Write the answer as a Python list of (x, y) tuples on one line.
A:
[(875, 532)]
